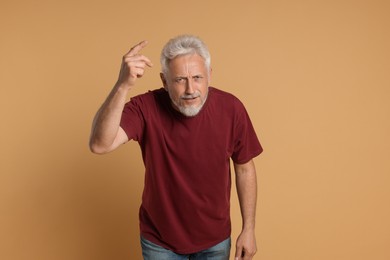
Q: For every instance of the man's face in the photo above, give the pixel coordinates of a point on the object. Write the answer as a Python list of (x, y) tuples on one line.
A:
[(187, 83)]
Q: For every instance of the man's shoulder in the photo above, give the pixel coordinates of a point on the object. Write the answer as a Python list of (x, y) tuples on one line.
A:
[(224, 97), (150, 95), (219, 92)]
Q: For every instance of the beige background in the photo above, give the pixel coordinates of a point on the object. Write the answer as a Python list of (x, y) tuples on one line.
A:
[(314, 76)]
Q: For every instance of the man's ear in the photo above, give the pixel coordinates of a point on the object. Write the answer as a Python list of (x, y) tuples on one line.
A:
[(164, 81)]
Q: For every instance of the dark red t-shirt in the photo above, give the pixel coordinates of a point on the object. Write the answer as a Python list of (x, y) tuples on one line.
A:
[(186, 199)]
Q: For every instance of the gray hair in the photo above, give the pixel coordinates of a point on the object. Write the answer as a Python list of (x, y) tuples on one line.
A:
[(184, 45)]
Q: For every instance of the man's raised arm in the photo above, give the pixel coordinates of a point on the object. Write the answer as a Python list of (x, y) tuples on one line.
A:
[(106, 134)]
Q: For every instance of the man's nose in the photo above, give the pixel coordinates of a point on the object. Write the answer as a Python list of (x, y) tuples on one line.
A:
[(189, 86)]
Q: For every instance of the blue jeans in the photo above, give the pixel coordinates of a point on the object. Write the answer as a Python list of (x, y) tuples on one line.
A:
[(151, 251)]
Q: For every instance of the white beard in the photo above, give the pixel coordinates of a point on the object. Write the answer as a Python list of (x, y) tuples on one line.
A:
[(189, 111)]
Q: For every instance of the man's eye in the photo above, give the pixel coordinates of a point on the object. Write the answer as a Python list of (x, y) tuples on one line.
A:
[(179, 80)]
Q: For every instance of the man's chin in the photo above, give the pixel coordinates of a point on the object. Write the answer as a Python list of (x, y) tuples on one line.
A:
[(190, 111)]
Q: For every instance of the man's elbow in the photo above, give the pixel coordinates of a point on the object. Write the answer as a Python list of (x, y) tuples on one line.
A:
[(97, 148)]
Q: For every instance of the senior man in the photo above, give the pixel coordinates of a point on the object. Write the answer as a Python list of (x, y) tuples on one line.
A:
[(188, 132)]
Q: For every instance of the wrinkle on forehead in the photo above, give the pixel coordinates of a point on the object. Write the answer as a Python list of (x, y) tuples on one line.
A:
[(187, 66)]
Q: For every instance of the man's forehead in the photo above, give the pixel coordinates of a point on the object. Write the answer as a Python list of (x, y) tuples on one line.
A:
[(192, 62)]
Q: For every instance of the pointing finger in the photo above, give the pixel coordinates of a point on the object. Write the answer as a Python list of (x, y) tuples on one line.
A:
[(137, 48)]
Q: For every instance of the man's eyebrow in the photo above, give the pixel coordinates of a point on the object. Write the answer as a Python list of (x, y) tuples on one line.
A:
[(200, 75)]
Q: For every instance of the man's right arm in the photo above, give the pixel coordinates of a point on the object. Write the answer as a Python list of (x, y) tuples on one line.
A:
[(106, 134)]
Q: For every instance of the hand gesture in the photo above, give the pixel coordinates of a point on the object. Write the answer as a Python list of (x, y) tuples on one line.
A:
[(245, 246), (133, 66)]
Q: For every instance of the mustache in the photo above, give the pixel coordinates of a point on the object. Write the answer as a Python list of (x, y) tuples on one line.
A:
[(190, 96)]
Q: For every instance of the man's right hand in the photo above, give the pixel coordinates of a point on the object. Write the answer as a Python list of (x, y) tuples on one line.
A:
[(133, 66), (106, 134)]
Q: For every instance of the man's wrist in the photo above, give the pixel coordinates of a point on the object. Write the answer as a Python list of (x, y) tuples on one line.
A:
[(121, 86), (248, 227)]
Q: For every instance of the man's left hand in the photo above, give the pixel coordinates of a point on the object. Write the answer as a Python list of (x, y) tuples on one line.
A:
[(246, 245)]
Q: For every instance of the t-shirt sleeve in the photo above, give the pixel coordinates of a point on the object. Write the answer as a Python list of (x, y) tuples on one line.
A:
[(246, 144), (132, 120)]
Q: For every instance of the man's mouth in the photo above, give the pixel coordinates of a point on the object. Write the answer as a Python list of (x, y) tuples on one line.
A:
[(190, 100), (190, 97)]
